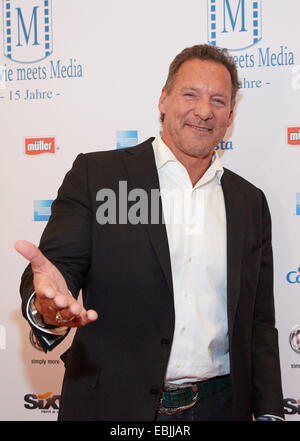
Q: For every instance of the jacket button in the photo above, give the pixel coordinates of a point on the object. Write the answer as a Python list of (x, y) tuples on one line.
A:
[(165, 341), (154, 391)]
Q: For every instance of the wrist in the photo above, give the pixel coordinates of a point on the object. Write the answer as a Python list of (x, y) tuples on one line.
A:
[(36, 319)]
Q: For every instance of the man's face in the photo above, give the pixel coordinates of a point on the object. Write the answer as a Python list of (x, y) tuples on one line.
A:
[(197, 111)]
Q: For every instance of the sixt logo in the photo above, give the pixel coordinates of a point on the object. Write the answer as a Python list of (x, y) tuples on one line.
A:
[(293, 135), (234, 24), (27, 30), (291, 406), (36, 146), (293, 276), (45, 401)]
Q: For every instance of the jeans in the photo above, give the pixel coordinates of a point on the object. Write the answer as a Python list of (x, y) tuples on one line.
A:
[(215, 407)]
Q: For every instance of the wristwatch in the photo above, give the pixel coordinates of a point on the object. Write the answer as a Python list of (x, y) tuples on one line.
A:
[(35, 315), (37, 320)]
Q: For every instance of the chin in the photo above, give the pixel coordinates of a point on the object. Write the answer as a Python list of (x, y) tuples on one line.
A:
[(200, 152)]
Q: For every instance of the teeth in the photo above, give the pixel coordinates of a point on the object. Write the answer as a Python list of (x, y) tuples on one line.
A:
[(201, 129)]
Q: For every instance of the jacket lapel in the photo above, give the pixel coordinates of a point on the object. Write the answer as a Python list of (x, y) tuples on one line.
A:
[(142, 171), (235, 212)]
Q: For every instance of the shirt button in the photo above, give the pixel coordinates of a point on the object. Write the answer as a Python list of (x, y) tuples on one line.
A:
[(183, 329), (185, 294), (189, 259)]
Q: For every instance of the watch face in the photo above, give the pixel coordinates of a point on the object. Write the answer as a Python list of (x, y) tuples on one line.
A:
[(38, 318)]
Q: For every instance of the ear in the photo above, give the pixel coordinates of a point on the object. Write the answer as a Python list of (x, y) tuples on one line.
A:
[(230, 117), (162, 101)]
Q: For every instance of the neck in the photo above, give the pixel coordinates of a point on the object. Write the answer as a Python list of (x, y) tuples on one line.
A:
[(196, 166)]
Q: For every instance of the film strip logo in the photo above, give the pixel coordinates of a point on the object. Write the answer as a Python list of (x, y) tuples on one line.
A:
[(27, 30), (234, 24)]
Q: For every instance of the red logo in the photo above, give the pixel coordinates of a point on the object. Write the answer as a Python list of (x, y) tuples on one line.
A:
[(293, 135), (36, 146)]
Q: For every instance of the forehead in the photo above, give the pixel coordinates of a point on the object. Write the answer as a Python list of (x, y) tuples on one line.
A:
[(200, 73)]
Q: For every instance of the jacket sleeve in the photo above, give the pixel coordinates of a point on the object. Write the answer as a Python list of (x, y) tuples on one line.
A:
[(266, 375), (66, 240)]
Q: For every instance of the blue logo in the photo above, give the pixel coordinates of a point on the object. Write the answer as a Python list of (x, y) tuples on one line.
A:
[(298, 204), (234, 24), (293, 276), (27, 30), (225, 145), (42, 210), (126, 138)]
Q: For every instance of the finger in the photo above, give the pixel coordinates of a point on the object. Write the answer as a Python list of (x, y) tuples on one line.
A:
[(44, 289), (31, 252), (83, 319), (92, 315), (68, 305)]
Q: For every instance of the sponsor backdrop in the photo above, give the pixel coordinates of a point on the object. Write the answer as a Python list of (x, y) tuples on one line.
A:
[(79, 76)]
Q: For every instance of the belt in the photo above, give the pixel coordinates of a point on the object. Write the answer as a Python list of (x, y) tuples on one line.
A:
[(186, 395)]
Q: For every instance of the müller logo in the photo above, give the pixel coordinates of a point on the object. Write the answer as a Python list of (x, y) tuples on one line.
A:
[(293, 135), (36, 146)]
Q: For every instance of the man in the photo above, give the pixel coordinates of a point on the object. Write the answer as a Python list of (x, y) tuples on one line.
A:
[(186, 310)]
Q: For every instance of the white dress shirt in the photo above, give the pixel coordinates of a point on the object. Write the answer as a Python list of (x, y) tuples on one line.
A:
[(197, 243)]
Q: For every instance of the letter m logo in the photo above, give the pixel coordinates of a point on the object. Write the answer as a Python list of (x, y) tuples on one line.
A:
[(27, 30), (234, 24), (22, 27), (234, 16)]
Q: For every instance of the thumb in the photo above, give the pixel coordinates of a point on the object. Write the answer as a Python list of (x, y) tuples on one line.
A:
[(31, 252)]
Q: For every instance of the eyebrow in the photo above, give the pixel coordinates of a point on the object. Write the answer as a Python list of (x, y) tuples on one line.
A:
[(196, 89), (189, 88)]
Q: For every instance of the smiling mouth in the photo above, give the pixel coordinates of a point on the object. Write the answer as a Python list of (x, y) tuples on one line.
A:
[(200, 129)]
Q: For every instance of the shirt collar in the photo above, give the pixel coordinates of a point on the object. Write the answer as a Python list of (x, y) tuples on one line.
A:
[(163, 155)]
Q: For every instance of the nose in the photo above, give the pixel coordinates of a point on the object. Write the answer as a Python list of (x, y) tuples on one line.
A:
[(203, 108)]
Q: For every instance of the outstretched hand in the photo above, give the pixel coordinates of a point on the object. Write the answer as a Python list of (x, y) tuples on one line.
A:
[(53, 300)]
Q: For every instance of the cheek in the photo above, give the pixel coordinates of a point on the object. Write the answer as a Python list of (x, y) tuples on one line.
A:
[(174, 118), (223, 120)]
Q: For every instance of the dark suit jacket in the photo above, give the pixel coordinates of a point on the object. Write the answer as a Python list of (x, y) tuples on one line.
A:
[(115, 367)]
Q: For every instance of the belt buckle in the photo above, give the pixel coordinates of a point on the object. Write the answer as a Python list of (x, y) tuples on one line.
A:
[(173, 410)]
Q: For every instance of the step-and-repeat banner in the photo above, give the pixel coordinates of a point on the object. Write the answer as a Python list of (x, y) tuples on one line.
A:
[(85, 75)]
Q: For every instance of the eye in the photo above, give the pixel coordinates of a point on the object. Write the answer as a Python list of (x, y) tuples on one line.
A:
[(189, 95), (219, 101)]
